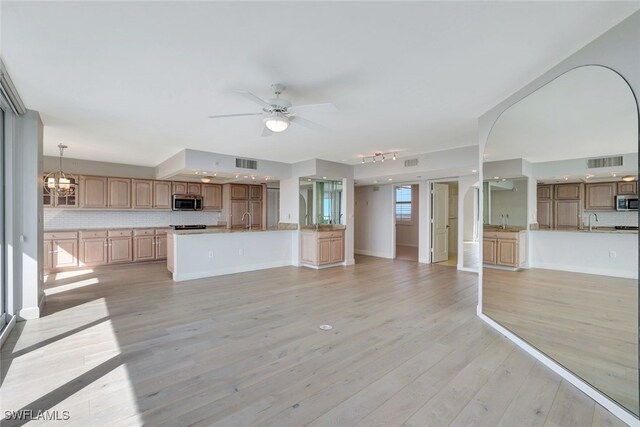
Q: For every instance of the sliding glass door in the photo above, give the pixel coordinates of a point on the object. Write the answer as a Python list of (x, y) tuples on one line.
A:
[(3, 257)]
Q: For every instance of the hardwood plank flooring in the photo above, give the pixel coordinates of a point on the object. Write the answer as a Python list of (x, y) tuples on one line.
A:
[(585, 322), (127, 346)]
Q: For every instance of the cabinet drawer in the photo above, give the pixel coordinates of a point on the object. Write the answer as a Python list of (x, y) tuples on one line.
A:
[(59, 235), (503, 235), (93, 234), (161, 231), (119, 233), (329, 234), (144, 232)]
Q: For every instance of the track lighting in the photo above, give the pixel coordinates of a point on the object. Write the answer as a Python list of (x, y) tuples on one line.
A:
[(379, 156)]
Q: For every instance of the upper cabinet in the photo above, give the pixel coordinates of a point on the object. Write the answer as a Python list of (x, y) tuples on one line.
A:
[(239, 192), (601, 196), (141, 194), (628, 188), (568, 191), (119, 193), (545, 191), (93, 192), (162, 195), (194, 188), (211, 197), (255, 192), (180, 188)]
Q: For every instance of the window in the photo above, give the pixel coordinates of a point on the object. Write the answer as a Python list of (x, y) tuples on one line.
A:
[(403, 204)]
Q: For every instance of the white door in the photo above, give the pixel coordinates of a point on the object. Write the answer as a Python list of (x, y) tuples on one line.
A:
[(440, 223)]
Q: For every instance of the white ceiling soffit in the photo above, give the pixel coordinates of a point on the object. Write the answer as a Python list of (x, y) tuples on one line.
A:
[(587, 112), (134, 82)]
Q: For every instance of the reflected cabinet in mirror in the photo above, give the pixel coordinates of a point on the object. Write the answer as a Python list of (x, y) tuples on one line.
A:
[(560, 227), (320, 201)]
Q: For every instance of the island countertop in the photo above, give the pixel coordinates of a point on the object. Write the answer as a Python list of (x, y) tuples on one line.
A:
[(225, 230)]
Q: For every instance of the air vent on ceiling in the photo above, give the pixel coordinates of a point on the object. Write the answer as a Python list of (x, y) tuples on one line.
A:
[(410, 162), (604, 162), (246, 164)]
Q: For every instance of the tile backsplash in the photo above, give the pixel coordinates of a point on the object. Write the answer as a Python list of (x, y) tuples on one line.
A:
[(60, 219), (611, 218)]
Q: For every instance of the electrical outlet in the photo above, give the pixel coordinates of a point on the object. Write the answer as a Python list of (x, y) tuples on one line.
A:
[(612, 254), (288, 216), (210, 254)]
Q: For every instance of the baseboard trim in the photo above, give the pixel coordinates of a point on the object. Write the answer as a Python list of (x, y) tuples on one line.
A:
[(320, 267), (373, 253), (7, 329), (586, 388), (468, 269)]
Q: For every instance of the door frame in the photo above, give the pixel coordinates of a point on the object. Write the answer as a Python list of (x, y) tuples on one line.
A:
[(430, 183)]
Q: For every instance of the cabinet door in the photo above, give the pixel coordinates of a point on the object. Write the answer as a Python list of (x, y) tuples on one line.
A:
[(568, 191), (238, 208), (544, 191), (180, 188), (70, 201), (337, 250), (194, 188), (211, 197), (545, 214), (628, 188), (144, 248), (141, 194), (93, 192), (119, 193), (239, 192), (567, 214), (324, 251), (120, 249), (507, 253), (48, 200), (255, 208), (489, 251), (161, 195), (161, 246), (255, 192), (93, 251), (47, 256), (308, 248), (601, 196), (65, 253)]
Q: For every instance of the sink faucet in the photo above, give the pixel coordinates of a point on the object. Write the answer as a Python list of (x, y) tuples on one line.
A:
[(503, 221), (250, 220), (594, 214), (306, 219)]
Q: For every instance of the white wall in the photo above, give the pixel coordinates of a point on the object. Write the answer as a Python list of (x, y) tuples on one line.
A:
[(73, 219), (468, 211), (407, 234), (90, 167), (374, 221)]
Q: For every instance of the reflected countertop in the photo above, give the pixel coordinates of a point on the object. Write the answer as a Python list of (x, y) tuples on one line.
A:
[(610, 230)]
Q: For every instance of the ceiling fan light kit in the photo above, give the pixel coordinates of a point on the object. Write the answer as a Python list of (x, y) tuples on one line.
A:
[(277, 122)]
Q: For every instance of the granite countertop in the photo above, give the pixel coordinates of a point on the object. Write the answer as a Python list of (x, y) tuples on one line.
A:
[(323, 227), (155, 227), (610, 230), (494, 228), (224, 229)]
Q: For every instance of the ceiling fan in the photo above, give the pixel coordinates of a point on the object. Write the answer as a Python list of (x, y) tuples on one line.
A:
[(277, 113)]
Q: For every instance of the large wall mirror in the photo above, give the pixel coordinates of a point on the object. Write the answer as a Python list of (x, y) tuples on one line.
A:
[(560, 227), (320, 202)]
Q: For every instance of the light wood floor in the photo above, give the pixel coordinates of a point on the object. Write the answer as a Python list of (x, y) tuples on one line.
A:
[(126, 346), (587, 323), (407, 253)]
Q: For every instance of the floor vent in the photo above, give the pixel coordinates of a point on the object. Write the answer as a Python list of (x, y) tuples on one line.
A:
[(410, 162), (246, 164), (604, 162)]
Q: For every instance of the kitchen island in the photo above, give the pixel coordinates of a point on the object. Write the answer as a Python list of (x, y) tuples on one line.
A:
[(195, 254)]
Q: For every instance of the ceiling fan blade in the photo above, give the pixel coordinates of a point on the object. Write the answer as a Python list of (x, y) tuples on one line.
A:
[(251, 97), (314, 108), (266, 132), (234, 115), (307, 123)]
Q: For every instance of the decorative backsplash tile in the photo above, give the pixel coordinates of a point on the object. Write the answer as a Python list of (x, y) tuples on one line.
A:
[(59, 219), (611, 218)]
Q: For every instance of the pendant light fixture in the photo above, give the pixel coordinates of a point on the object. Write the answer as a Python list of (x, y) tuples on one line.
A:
[(59, 183), (277, 122)]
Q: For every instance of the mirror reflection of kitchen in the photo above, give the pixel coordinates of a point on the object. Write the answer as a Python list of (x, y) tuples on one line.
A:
[(320, 202), (560, 234)]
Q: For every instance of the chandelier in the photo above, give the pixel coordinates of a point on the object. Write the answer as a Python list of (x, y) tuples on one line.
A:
[(59, 183)]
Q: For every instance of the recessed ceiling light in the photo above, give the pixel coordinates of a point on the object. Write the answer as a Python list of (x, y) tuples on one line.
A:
[(566, 178), (237, 176), (246, 176), (375, 181), (324, 177), (474, 170), (496, 177), (390, 179), (308, 179)]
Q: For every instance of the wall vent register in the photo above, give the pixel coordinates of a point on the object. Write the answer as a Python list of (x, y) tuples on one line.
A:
[(604, 162)]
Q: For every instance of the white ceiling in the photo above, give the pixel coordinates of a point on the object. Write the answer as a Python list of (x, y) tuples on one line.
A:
[(134, 82), (587, 112)]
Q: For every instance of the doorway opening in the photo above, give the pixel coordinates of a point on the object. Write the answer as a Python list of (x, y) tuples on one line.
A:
[(470, 225), (444, 223), (406, 213)]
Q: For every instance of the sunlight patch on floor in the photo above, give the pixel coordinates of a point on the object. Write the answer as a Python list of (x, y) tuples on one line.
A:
[(74, 285)]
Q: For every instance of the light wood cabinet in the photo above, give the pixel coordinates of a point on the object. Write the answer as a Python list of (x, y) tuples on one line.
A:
[(65, 253), (93, 251), (319, 248), (238, 208), (504, 248), (568, 191), (162, 195), (545, 191), (180, 188), (545, 214), (161, 246), (628, 188), (53, 201), (239, 192), (141, 194), (120, 250), (255, 208), (567, 214), (47, 255), (93, 192), (601, 196), (119, 193), (144, 248), (211, 197), (194, 188), (255, 192)]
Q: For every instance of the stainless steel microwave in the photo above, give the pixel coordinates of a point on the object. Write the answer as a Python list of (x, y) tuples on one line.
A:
[(187, 202), (626, 203)]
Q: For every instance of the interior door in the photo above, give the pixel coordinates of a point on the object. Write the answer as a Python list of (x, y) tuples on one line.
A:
[(440, 222)]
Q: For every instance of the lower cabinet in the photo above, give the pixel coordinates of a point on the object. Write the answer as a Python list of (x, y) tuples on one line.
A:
[(149, 244), (322, 247), (505, 248), (60, 250)]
